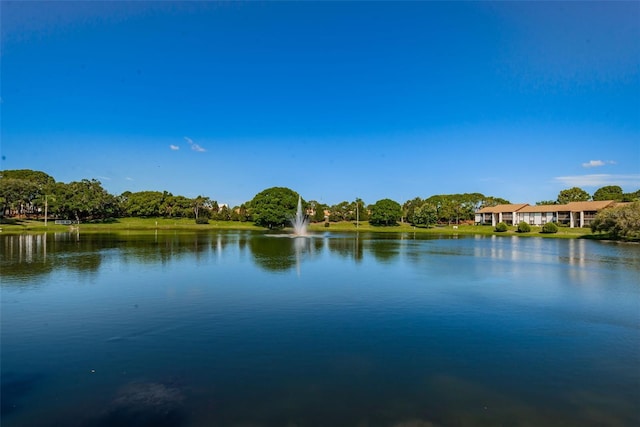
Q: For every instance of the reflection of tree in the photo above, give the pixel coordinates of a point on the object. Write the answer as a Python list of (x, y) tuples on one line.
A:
[(273, 253), (243, 241), (27, 256), (15, 273), (348, 247), (24, 257), (316, 245), (384, 250), (161, 247), (30, 255)]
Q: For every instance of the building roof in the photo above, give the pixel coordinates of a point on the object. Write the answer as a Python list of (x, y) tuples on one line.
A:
[(502, 208), (569, 207), (586, 206), (542, 208)]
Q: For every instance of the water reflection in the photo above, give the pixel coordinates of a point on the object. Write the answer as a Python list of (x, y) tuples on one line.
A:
[(37, 254), (30, 255), (25, 247), (374, 330), (280, 253), (348, 246)]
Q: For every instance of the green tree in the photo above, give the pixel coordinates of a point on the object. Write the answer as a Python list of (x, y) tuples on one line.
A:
[(609, 192), (574, 194), (243, 213), (493, 201), (620, 222), (201, 206), (546, 202), (631, 197), (178, 206), (318, 210), (440, 204), (461, 207), (426, 214), (23, 191), (274, 207), (41, 179), (340, 211), (471, 202), (409, 207), (224, 213), (17, 196), (447, 211), (385, 212), (145, 203), (83, 200)]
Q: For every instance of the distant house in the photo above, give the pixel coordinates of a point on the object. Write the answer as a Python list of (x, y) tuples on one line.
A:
[(492, 215), (573, 214), (539, 214), (582, 214)]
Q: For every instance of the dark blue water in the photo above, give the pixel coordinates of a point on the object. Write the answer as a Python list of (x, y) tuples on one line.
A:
[(247, 329)]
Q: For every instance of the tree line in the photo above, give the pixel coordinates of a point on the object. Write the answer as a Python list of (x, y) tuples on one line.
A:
[(577, 194), (28, 193)]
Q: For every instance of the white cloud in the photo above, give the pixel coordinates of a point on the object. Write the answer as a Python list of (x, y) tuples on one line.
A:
[(597, 163), (194, 146), (599, 180), (593, 163), (174, 147), (129, 178)]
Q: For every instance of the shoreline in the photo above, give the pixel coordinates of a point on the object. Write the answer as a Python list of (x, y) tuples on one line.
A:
[(189, 225)]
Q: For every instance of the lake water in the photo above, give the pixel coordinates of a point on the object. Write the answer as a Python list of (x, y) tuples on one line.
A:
[(251, 329)]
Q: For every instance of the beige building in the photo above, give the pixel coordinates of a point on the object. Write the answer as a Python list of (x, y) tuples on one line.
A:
[(492, 215), (573, 214)]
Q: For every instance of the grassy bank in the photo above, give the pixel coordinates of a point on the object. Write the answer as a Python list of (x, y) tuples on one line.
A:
[(187, 224), (566, 233), (121, 224)]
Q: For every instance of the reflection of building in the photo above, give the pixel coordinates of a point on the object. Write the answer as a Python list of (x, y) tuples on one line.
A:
[(573, 214)]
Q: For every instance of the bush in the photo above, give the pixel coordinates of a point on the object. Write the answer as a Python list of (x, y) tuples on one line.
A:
[(501, 227), (202, 220), (523, 227), (550, 227)]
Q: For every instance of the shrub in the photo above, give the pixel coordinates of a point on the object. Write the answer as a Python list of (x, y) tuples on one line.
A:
[(202, 220), (523, 227), (550, 227), (501, 227)]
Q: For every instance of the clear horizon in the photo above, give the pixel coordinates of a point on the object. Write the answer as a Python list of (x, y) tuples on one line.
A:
[(334, 100)]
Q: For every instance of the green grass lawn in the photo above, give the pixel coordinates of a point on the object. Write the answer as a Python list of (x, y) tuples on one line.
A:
[(188, 224), (19, 226), (449, 230)]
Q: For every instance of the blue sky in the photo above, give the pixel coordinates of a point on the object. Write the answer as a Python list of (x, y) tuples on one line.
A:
[(335, 100)]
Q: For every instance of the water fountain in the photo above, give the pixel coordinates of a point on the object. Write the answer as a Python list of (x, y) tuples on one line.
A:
[(300, 221)]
